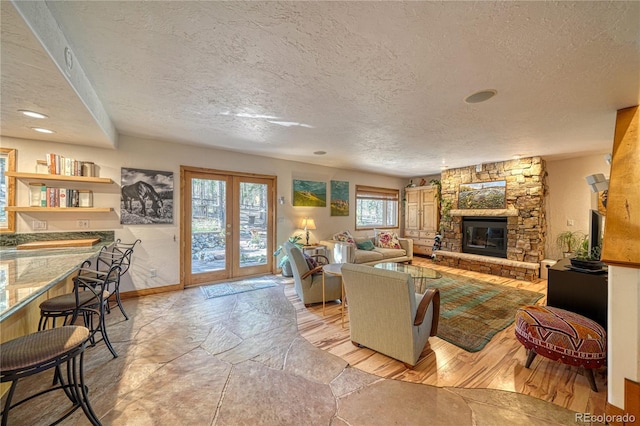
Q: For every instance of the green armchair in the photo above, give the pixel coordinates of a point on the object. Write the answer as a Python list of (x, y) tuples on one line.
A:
[(308, 281), (385, 313)]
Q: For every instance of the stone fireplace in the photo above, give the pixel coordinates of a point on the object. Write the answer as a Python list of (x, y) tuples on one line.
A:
[(486, 236), (524, 215)]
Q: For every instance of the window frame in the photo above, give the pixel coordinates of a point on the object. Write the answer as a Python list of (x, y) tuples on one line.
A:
[(385, 194), (9, 155)]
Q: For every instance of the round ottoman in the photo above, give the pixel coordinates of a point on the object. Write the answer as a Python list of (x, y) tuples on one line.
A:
[(562, 336)]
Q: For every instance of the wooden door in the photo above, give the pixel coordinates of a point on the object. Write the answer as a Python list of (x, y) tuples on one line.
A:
[(227, 226), (412, 213), (428, 210)]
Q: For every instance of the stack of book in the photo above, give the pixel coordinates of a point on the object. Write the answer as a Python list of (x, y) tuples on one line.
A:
[(59, 165), (55, 197)]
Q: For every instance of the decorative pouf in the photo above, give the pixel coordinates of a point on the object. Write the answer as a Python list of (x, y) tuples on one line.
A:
[(562, 336)]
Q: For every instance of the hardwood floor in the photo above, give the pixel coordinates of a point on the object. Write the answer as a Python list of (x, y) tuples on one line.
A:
[(499, 365)]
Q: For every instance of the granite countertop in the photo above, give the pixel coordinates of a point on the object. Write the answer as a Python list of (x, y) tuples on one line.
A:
[(27, 274)]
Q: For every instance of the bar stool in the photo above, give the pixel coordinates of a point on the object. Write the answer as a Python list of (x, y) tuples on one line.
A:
[(118, 254), (40, 351), (89, 298)]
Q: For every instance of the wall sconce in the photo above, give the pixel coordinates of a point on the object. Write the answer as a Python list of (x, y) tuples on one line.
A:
[(597, 182), (281, 200), (308, 224)]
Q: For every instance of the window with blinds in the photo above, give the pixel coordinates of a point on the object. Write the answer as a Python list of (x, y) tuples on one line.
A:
[(376, 207)]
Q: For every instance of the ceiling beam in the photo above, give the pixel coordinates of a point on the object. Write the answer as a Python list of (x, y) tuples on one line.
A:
[(37, 16)]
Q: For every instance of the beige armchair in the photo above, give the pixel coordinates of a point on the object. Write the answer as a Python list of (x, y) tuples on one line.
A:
[(385, 313), (308, 282)]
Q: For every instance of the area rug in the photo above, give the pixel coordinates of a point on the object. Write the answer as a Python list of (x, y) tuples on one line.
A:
[(235, 287), (473, 311)]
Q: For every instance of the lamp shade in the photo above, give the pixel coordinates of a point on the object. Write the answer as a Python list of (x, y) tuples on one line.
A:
[(308, 223)]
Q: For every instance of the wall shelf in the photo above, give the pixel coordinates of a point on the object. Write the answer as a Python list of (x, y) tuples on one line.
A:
[(60, 178), (60, 209)]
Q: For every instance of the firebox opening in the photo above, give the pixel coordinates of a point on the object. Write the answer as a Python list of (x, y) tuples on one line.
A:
[(486, 236)]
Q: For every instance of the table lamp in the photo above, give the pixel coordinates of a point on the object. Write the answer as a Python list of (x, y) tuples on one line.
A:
[(308, 225)]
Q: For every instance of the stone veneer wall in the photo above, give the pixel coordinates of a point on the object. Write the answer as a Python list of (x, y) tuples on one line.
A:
[(526, 189)]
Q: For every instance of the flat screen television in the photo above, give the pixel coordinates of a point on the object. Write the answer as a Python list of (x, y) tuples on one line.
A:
[(596, 229)]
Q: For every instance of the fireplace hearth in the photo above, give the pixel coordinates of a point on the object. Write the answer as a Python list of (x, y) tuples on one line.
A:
[(486, 236)]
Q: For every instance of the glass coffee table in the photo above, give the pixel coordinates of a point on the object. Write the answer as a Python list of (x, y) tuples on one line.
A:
[(420, 274)]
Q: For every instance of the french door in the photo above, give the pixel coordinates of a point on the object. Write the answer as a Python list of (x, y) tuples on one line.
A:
[(227, 225)]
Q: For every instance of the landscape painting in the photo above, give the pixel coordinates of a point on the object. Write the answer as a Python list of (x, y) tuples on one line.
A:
[(483, 195), (146, 197), (339, 198), (309, 193)]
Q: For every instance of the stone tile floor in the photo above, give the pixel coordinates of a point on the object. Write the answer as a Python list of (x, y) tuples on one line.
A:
[(239, 360)]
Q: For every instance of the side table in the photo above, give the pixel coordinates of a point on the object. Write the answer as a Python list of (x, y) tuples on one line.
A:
[(315, 249)]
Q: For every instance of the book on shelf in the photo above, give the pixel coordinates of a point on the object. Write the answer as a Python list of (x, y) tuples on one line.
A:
[(59, 165), (62, 197), (43, 196)]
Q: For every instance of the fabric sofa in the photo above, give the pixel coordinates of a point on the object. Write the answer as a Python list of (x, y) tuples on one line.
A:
[(352, 252)]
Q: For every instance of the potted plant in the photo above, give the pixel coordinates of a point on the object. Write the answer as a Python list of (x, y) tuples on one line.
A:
[(586, 259), (567, 241), (284, 263)]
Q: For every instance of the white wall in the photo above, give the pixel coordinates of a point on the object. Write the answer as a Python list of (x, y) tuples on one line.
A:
[(569, 197), (623, 357), (160, 247)]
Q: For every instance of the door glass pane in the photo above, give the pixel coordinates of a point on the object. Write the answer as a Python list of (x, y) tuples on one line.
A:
[(253, 224), (208, 221)]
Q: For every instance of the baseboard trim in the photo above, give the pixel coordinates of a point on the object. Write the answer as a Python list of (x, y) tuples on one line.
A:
[(631, 414), (632, 400), (613, 412), (149, 291)]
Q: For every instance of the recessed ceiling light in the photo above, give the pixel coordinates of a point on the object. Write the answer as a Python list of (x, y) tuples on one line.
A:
[(483, 95), (32, 114), (41, 130), (517, 157), (320, 152)]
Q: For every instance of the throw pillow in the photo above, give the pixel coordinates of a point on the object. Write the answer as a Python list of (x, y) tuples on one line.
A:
[(311, 262), (388, 240), (366, 245), (344, 237)]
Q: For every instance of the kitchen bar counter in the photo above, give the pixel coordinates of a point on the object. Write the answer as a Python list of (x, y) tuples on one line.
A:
[(26, 275)]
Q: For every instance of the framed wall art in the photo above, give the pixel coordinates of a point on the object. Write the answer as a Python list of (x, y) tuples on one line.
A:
[(339, 198), (309, 193), (483, 195), (146, 197)]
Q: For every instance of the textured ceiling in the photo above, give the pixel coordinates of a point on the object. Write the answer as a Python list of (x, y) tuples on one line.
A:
[(379, 86)]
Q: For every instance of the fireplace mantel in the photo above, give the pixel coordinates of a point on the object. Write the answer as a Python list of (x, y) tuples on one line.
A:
[(484, 212)]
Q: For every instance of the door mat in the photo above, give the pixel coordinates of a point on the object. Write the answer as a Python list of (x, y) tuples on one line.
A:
[(235, 287), (473, 311)]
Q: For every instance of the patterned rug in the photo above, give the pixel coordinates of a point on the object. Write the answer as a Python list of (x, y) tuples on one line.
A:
[(235, 287), (473, 311)]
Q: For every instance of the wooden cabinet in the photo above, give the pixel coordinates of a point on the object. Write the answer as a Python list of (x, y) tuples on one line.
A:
[(421, 218), (583, 293), (68, 182)]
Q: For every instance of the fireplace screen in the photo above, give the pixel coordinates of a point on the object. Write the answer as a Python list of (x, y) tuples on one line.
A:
[(485, 236)]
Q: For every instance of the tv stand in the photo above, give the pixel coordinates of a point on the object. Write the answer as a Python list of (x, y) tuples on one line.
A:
[(580, 292)]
